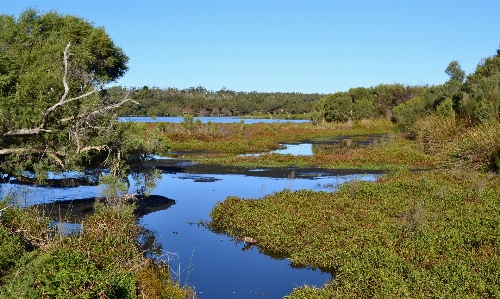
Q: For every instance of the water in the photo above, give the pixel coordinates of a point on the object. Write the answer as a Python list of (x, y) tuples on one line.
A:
[(221, 268), (328, 145), (223, 120), (214, 264)]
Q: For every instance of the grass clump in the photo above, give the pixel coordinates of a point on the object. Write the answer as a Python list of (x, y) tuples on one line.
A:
[(408, 235), (432, 133), (477, 149), (104, 260)]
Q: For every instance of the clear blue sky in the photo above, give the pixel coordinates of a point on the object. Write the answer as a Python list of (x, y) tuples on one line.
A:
[(289, 46)]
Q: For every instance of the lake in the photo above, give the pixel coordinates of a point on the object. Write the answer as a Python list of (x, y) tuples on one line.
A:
[(223, 120), (215, 265)]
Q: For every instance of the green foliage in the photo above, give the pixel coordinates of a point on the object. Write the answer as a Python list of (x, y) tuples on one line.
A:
[(406, 113), (364, 108), (46, 127), (32, 55), (106, 260), (445, 108), (188, 121), (408, 235), (202, 102), (113, 187), (11, 249), (61, 273), (477, 149), (455, 71), (336, 107)]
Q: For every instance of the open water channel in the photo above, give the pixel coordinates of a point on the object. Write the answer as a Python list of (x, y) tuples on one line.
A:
[(215, 265)]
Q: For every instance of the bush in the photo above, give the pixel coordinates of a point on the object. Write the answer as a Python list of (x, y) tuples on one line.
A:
[(406, 113), (364, 109), (336, 107), (445, 108), (65, 273), (433, 132), (476, 149), (105, 261), (11, 249)]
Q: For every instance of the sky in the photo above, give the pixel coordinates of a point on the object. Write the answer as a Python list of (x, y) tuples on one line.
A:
[(304, 46)]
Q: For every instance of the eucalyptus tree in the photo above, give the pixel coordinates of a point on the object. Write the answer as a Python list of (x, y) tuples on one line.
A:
[(53, 115)]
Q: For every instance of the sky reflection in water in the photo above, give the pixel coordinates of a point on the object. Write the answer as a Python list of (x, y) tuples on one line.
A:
[(214, 264)]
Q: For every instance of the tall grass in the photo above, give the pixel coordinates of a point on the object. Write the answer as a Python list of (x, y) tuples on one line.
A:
[(432, 133), (478, 149)]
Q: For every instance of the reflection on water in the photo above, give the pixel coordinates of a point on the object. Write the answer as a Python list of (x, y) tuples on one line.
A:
[(214, 264), (347, 143)]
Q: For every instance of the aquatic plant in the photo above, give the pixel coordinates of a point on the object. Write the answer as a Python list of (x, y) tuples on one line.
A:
[(408, 235)]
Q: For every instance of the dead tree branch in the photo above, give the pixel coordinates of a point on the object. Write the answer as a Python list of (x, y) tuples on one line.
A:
[(101, 110), (8, 151)]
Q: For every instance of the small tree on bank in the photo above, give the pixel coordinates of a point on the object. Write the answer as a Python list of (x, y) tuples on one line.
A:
[(52, 115)]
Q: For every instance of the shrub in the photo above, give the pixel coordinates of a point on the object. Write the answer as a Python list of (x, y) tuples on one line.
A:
[(445, 108), (476, 149), (336, 107), (364, 109), (433, 132), (11, 249), (65, 273), (107, 260), (406, 113)]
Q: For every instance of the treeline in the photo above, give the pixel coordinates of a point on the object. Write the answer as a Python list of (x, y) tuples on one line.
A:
[(154, 101), (473, 99), (355, 103)]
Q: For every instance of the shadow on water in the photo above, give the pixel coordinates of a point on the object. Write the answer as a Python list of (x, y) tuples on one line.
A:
[(216, 265)]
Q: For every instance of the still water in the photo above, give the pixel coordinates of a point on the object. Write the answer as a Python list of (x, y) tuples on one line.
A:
[(223, 120), (215, 265)]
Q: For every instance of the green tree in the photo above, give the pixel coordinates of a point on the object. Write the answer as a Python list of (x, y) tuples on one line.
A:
[(455, 71), (482, 91), (364, 108), (406, 113), (336, 107), (53, 115)]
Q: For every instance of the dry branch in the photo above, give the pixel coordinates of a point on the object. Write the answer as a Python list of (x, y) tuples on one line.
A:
[(8, 151), (101, 110), (62, 101)]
